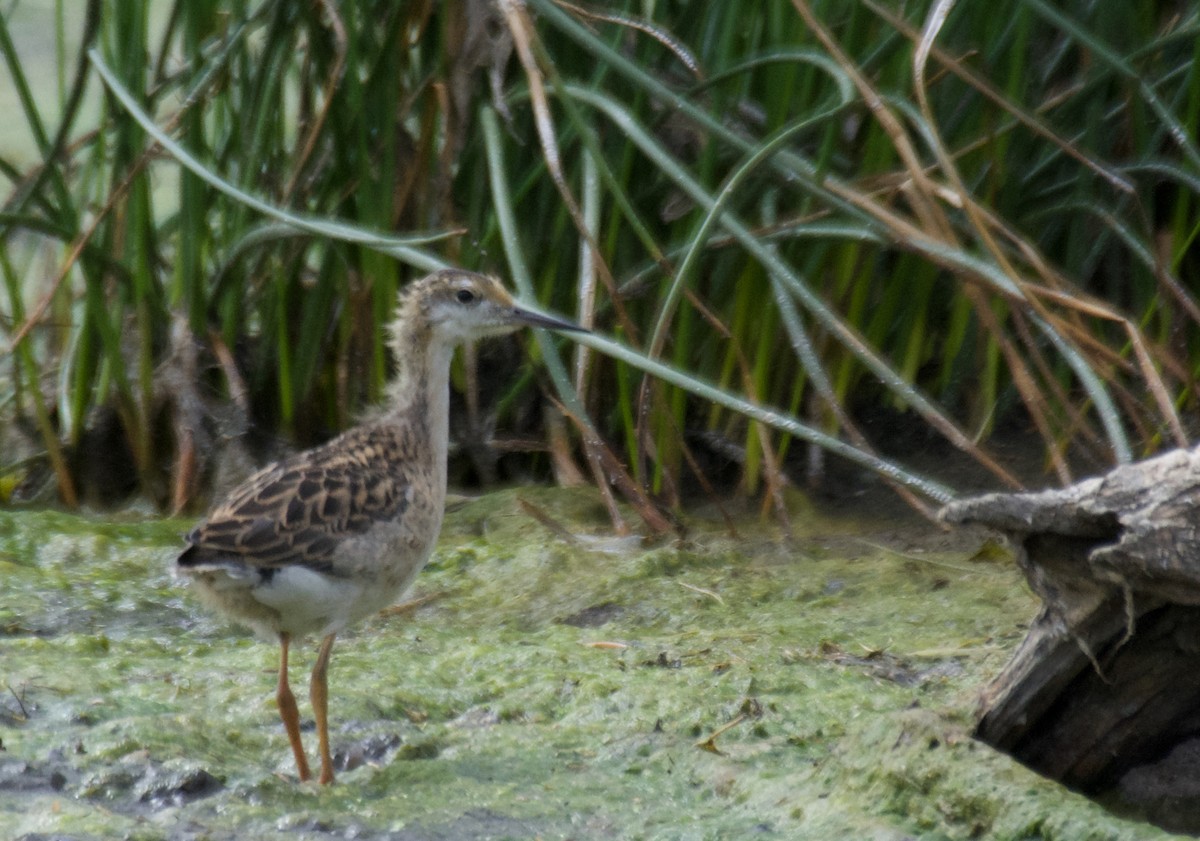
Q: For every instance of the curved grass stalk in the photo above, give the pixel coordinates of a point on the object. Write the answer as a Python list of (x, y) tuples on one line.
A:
[(955, 257), (1107, 410), (933, 220), (1098, 48), (1001, 274), (800, 340), (771, 417), (793, 167), (525, 42), (1138, 248), (673, 44), (586, 296), (1021, 115), (840, 195), (711, 219), (691, 254), (790, 56), (779, 269), (604, 469), (635, 280), (638, 278), (269, 233), (404, 249)]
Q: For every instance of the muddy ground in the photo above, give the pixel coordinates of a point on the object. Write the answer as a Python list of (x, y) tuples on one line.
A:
[(541, 687)]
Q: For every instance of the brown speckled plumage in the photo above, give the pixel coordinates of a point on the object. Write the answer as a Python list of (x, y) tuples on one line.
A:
[(298, 511), (326, 537)]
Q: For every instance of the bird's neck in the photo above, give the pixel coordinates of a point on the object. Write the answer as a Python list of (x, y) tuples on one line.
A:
[(420, 392)]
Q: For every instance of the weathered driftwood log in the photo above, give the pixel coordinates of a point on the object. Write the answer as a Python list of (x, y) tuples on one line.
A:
[(1108, 677)]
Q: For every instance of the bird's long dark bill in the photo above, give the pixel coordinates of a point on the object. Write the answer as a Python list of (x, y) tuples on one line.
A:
[(537, 319)]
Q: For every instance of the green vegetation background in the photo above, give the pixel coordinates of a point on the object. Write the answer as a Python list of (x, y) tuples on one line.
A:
[(964, 217)]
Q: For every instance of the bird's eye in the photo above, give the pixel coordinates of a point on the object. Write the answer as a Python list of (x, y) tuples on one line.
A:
[(465, 296)]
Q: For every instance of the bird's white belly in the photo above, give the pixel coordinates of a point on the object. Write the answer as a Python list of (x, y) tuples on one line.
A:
[(310, 602)]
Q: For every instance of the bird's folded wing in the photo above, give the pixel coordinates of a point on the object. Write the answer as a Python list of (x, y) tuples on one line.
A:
[(296, 511)]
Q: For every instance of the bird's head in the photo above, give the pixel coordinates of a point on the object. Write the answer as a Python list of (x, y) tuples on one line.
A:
[(459, 306)]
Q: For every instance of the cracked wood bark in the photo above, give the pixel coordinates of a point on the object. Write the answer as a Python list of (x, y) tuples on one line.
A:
[(1108, 676)]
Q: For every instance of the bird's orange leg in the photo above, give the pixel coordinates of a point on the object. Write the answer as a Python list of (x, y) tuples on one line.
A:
[(319, 693), (288, 711)]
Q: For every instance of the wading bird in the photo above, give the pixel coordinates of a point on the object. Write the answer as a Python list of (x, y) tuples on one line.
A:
[(320, 540)]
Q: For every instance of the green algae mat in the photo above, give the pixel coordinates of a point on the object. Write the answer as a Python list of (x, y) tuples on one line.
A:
[(544, 682)]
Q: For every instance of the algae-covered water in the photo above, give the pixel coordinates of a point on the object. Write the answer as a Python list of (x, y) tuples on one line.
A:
[(540, 687)]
